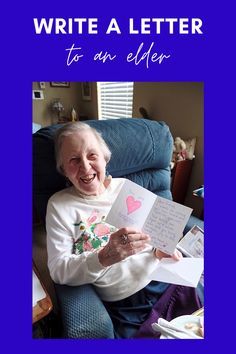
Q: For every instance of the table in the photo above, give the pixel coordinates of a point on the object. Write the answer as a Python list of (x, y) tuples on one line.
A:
[(42, 304)]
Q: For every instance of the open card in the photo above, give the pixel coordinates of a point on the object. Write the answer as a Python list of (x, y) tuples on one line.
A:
[(163, 219), (186, 271)]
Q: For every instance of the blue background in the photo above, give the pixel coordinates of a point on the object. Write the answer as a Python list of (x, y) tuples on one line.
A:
[(26, 57)]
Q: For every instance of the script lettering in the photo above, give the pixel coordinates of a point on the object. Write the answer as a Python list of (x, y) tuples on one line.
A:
[(164, 224)]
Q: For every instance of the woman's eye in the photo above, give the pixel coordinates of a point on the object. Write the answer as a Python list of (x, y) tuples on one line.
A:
[(92, 155), (74, 160)]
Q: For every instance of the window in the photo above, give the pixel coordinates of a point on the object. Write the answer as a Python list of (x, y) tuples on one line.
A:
[(115, 99)]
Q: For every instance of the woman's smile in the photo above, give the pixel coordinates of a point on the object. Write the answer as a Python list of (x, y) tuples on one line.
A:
[(88, 178)]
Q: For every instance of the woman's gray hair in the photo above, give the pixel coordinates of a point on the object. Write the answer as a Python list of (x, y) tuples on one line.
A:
[(75, 127)]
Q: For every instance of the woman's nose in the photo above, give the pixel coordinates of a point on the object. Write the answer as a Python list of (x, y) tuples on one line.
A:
[(85, 165)]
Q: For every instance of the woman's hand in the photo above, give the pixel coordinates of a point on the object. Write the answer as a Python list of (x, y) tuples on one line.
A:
[(123, 243), (177, 255)]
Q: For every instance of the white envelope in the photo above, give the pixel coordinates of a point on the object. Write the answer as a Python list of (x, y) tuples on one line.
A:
[(38, 292), (186, 271)]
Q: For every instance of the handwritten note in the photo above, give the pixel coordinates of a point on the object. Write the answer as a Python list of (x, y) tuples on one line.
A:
[(165, 223), (163, 219)]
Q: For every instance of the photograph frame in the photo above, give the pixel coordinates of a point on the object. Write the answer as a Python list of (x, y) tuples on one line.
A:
[(60, 84), (86, 88)]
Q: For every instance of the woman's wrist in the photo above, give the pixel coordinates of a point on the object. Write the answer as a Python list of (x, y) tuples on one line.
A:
[(177, 255), (159, 254), (154, 250), (104, 256)]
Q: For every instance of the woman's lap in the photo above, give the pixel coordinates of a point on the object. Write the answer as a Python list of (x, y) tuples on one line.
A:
[(130, 315)]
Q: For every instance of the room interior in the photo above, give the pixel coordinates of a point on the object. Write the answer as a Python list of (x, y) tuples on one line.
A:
[(179, 104)]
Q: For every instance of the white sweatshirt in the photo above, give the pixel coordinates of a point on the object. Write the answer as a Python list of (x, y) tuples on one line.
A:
[(76, 231)]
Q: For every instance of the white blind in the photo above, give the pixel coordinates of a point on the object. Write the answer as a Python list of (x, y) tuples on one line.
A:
[(115, 99)]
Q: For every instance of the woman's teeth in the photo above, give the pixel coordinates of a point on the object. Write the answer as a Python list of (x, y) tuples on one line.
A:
[(88, 179)]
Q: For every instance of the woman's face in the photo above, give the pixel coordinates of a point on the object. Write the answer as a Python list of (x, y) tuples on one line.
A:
[(83, 162)]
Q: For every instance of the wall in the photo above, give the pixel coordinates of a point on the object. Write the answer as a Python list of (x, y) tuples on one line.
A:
[(90, 108), (69, 97), (180, 105)]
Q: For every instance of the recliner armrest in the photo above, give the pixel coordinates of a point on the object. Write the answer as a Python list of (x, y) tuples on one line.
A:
[(83, 313)]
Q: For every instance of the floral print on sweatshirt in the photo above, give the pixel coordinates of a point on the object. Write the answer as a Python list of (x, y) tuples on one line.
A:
[(93, 234)]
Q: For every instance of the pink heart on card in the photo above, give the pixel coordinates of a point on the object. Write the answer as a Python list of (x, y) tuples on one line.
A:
[(132, 204)]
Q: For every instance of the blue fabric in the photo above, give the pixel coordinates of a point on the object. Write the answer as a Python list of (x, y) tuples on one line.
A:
[(83, 313), (128, 314), (136, 144)]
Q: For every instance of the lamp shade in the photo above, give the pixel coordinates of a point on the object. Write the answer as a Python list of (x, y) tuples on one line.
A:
[(57, 106)]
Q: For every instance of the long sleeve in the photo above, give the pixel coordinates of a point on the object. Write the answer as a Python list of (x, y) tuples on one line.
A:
[(64, 266)]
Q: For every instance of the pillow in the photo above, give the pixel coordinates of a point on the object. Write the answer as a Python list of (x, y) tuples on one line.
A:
[(190, 147)]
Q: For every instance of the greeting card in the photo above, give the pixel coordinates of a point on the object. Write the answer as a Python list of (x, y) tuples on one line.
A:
[(163, 219)]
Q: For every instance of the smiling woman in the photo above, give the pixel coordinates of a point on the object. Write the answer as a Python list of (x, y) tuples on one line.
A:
[(82, 247), (94, 265)]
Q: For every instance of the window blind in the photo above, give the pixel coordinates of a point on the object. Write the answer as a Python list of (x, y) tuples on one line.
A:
[(115, 100)]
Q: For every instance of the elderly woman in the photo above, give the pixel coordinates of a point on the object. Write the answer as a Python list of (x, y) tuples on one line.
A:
[(83, 248)]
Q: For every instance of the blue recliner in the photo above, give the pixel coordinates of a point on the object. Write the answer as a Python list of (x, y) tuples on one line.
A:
[(141, 151)]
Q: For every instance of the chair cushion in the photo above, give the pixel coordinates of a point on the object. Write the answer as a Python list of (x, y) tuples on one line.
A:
[(149, 144)]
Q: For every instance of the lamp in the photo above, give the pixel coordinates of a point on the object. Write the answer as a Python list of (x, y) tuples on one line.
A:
[(57, 107)]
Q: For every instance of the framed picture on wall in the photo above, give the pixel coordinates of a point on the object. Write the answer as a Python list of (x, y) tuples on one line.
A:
[(59, 84), (86, 91)]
